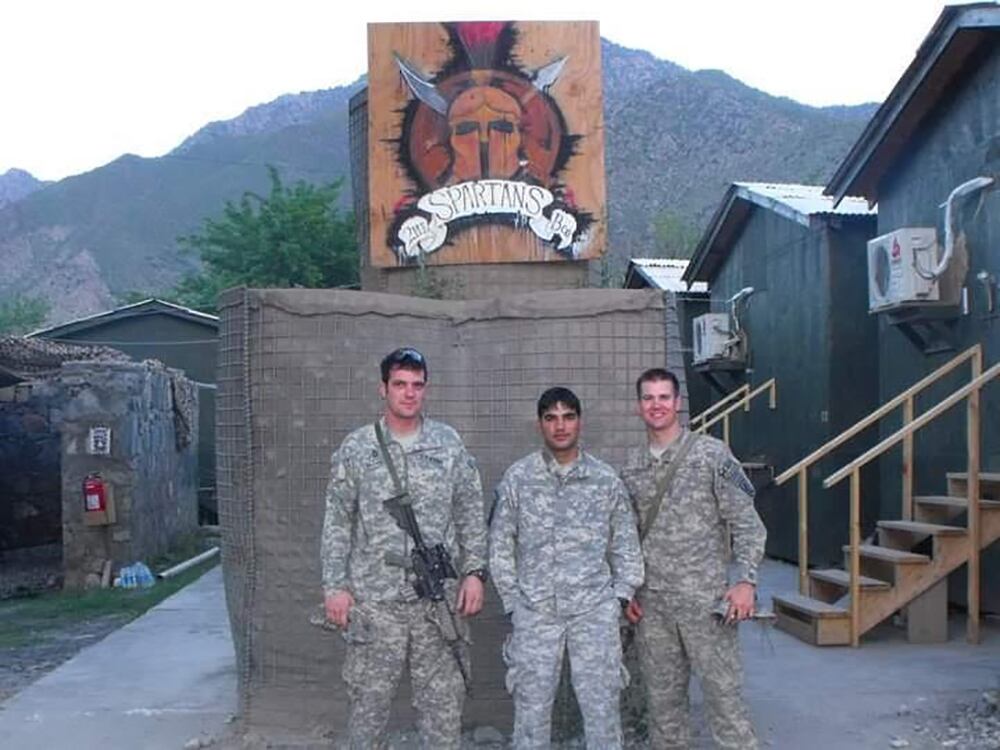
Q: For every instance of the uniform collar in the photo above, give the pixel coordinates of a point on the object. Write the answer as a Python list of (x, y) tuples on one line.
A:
[(580, 467)]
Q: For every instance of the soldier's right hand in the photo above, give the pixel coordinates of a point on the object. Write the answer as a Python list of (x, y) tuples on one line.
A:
[(633, 612), (338, 606)]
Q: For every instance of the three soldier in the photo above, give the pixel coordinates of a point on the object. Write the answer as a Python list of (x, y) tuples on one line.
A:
[(566, 557)]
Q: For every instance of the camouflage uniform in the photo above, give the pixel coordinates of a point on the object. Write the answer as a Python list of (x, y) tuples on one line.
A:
[(686, 554), (387, 619), (563, 549)]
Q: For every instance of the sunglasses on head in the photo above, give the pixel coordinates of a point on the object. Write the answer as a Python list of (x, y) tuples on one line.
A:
[(406, 354)]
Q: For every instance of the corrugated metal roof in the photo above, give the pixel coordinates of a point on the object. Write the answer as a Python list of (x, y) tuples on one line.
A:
[(804, 200), (666, 273), (804, 204)]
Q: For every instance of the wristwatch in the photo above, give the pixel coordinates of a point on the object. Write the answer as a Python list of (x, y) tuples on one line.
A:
[(479, 573)]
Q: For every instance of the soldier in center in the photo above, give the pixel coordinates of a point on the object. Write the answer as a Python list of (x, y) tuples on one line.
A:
[(565, 557)]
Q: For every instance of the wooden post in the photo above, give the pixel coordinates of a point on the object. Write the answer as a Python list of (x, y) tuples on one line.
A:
[(972, 493), (804, 531), (855, 585), (774, 394), (725, 429), (907, 514)]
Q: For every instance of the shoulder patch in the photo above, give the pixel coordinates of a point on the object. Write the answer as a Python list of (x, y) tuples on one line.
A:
[(732, 473)]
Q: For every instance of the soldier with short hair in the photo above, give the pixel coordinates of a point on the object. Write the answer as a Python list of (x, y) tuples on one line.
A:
[(367, 592), (686, 488), (564, 555)]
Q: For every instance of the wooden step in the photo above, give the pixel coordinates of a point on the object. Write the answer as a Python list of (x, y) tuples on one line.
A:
[(807, 605), (945, 501), (925, 529), (888, 554), (842, 578), (811, 620), (984, 476), (989, 483)]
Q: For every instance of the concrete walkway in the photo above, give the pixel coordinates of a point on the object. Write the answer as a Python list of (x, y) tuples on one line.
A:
[(168, 677), (158, 682)]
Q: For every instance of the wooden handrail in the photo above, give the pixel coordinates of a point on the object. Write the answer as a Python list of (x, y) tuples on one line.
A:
[(876, 415), (916, 424), (769, 385), (906, 399), (970, 390), (717, 405)]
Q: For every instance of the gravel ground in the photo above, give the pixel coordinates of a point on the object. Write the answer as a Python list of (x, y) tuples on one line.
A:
[(22, 665)]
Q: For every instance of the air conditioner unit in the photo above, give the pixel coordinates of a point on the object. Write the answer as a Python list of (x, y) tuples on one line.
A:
[(899, 264), (712, 337)]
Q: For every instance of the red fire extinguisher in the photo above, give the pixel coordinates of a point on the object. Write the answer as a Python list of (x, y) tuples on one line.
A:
[(95, 496)]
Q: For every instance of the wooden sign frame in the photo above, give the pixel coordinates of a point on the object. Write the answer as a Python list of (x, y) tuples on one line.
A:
[(486, 143)]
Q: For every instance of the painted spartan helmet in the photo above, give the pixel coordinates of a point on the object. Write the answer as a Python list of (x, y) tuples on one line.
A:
[(485, 133), (485, 116)]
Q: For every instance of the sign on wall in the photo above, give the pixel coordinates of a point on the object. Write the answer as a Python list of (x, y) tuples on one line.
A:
[(485, 142)]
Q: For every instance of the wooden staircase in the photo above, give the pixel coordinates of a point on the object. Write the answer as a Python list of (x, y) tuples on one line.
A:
[(911, 558)]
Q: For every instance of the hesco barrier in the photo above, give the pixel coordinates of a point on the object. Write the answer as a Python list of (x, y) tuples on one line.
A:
[(299, 370)]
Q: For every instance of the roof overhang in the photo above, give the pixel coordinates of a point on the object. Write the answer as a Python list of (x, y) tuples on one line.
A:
[(139, 309), (960, 32)]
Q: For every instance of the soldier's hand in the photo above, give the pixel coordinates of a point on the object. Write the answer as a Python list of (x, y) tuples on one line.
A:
[(338, 607), (470, 596), (741, 601), (633, 612)]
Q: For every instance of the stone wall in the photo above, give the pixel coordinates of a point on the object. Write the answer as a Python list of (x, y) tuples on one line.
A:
[(151, 476)]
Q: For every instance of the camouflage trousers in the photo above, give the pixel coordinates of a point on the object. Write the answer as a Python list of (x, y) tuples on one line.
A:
[(674, 639), (380, 637), (534, 655)]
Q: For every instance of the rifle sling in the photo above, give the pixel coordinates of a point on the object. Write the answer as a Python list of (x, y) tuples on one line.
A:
[(387, 458), (663, 486)]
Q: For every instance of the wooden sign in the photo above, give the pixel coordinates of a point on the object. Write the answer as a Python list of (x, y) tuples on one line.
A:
[(486, 142)]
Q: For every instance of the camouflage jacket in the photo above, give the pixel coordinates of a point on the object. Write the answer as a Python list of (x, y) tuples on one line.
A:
[(444, 488), (565, 543), (686, 550)]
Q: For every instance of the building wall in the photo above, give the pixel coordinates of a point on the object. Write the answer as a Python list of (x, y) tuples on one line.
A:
[(176, 342), (804, 316), (153, 481), (960, 140)]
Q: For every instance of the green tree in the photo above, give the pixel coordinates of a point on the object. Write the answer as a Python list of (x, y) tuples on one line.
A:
[(20, 314), (295, 237), (676, 237)]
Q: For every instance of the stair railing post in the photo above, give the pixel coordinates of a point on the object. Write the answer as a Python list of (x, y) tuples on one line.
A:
[(855, 583), (907, 510), (725, 429), (804, 531), (974, 534)]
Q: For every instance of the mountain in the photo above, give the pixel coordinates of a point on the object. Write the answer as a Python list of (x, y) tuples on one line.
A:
[(675, 139), (15, 184)]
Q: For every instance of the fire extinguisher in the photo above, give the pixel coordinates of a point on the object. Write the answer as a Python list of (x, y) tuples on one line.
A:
[(95, 496)]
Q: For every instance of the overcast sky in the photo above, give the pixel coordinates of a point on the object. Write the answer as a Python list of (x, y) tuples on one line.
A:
[(84, 81)]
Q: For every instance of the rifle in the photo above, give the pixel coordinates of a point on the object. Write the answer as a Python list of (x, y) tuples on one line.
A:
[(430, 565)]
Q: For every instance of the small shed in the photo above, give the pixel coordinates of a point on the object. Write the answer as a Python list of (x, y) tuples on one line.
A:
[(791, 267), (940, 128), (180, 338)]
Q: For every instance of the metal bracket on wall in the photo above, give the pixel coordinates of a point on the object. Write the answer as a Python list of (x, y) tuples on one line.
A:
[(723, 380), (932, 332)]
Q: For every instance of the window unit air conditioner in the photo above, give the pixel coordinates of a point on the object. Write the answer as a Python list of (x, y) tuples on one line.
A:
[(712, 337), (899, 268)]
